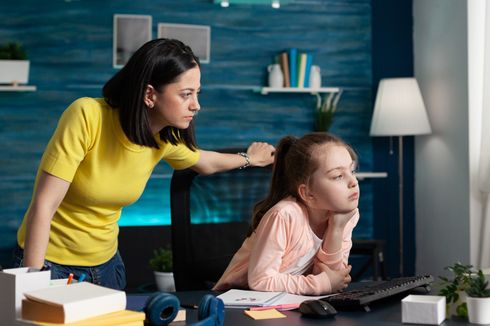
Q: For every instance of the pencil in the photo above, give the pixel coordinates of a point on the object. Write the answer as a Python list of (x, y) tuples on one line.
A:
[(70, 278)]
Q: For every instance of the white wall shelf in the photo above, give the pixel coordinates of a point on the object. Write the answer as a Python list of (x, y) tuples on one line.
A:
[(371, 175), (18, 88), (267, 90)]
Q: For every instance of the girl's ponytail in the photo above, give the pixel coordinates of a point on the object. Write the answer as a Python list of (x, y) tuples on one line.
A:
[(279, 188)]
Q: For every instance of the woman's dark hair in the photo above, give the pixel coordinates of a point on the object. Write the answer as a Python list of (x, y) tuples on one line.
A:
[(158, 63), (294, 164)]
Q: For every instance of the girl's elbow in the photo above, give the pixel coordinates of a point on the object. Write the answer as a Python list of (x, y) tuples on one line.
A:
[(257, 284)]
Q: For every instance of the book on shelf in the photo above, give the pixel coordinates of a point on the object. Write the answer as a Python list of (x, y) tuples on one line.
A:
[(284, 61), (293, 72), (122, 317), (309, 61), (71, 303), (302, 57), (235, 298)]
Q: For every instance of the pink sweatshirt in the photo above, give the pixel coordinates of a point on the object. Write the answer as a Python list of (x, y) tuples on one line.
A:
[(281, 239)]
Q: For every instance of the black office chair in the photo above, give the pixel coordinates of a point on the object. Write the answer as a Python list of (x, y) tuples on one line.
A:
[(367, 259), (210, 219)]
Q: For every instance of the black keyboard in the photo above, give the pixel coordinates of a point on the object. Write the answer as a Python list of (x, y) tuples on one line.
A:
[(377, 290)]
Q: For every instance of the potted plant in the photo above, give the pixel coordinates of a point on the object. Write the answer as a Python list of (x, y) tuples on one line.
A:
[(13, 64), (478, 299), (161, 264), (454, 289), (325, 110)]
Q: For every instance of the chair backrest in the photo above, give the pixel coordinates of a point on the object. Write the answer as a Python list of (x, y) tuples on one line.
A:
[(210, 219)]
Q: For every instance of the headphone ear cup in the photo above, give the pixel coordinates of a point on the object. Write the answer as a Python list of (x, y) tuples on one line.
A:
[(161, 308), (205, 307), (213, 309), (149, 301), (220, 312)]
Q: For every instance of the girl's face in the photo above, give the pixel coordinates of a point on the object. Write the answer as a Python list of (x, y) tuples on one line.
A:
[(333, 186), (177, 103)]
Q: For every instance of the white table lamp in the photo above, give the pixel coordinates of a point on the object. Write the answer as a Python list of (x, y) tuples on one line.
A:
[(399, 111)]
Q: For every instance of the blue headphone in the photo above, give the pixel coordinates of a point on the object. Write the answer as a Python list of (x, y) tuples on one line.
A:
[(161, 309)]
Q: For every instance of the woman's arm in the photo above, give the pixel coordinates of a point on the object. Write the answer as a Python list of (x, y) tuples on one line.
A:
[(49, 193), (260, 154)]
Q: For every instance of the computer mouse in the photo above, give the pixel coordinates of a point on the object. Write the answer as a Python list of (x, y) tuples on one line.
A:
[(317, 309)]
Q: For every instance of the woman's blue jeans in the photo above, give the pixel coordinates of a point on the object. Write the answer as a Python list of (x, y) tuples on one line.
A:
[(110, 274)]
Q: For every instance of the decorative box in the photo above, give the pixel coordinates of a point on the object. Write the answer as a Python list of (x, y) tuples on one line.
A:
[(424, 309)]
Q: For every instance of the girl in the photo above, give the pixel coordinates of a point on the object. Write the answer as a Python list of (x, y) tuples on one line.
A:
[(102, 154), (300, 236)]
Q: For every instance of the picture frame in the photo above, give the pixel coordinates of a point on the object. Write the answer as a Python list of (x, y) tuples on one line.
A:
[(197, 37), (130, 32)]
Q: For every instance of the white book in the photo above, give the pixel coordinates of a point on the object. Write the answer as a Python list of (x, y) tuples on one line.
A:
[(246, 298), (70, 303)]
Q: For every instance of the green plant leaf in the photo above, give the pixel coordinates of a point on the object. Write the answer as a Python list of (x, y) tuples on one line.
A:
[(477, 285), (462, 310), (162, 260), (12, 51)]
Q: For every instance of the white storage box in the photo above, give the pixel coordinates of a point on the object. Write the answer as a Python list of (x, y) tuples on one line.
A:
[(14, 282), (424, 309)]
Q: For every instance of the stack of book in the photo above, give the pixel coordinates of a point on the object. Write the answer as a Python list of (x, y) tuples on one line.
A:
[(78, 304), (296, 67)]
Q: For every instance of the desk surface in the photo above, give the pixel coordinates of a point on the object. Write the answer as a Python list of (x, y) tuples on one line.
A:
[(384, 313)]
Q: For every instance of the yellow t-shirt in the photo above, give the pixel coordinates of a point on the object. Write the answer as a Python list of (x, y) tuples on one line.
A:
[(107, 172)]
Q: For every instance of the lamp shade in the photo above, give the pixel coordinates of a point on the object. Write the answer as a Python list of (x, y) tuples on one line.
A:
[(399, 109)]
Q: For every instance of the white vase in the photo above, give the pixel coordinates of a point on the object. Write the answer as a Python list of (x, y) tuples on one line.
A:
[(478, 310), (315, 77), (276, 78), (165, 281), (14, 71)]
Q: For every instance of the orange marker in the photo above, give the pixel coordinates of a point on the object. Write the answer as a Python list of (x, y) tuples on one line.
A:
[(70, 278)]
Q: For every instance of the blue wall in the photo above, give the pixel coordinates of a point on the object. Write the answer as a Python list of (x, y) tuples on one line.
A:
[(392, 56), (69, 44)]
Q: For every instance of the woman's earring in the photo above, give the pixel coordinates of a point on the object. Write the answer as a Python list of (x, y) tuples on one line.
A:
[(150, 105)]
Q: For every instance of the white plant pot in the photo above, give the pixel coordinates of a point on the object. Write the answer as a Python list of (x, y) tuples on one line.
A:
[(486, 272), (165, 281), (478, 310), (14, 71)]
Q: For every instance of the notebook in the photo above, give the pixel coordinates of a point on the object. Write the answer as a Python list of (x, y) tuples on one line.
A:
[(246, 298)]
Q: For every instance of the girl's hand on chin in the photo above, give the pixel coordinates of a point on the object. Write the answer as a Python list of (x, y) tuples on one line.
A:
[(337, 219)]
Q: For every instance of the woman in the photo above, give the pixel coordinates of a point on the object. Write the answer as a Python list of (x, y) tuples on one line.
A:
[(102, 154)]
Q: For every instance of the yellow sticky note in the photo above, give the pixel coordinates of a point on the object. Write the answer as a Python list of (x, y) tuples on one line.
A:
[(264, 314)]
